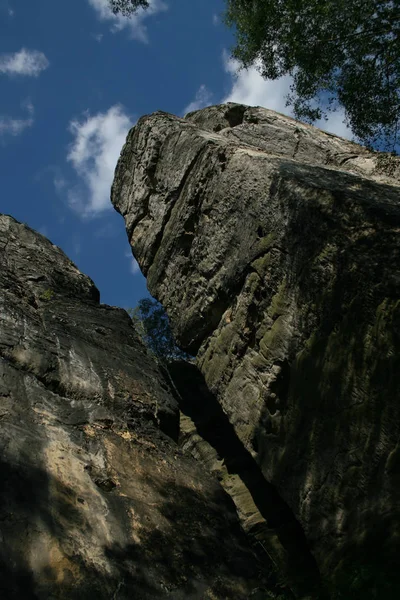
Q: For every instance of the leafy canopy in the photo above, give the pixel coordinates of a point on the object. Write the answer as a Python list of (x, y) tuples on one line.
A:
[(152, 324), (127, 8), (340, 53), (346, 52)]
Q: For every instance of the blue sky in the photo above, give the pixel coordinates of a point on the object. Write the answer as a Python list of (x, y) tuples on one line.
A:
[(73, 80)]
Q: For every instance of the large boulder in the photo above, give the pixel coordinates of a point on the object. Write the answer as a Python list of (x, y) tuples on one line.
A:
[(275, 249), (96, 498)]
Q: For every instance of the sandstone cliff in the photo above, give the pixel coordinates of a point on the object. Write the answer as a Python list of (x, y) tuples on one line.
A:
[(275, 249), (96, 498)]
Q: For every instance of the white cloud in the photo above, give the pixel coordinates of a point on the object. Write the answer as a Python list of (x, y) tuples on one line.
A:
[(28, 106), (14, 127), (134, 23), (24, 62), (335, 124), (11, 12), (76, 245), (97, 36), (58, 178), (134, 267), (59, 182), (215, 20), (248, 87), (202, 99), (94, 152)]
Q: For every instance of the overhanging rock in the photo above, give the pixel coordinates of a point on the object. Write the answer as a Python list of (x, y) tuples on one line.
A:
[(275, 249)]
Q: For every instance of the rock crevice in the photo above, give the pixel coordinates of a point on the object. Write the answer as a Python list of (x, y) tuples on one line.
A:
[(207, 434)]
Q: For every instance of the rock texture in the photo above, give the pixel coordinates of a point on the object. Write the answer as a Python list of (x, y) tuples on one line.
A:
[(275, 249), (205, 432), (96, 498)]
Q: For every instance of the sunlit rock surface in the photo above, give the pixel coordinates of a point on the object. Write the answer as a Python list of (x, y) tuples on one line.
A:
[(96, 499), (275, 249)]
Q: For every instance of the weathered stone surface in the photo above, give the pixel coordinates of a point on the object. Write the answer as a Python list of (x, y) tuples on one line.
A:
[(280, 135), (96, 498), (205, 431), (274, 248)]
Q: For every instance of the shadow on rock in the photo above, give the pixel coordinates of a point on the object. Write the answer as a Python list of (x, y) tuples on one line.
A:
[(213, 426)]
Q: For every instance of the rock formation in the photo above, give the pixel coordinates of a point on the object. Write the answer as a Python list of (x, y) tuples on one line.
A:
[(275, 249), (96, 498)]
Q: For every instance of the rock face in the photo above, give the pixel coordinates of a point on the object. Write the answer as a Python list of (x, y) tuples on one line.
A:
[(205, 432), (275, 249), (96, 498)]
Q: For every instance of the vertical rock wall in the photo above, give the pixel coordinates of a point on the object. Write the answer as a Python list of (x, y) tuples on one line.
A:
[(96, 498)]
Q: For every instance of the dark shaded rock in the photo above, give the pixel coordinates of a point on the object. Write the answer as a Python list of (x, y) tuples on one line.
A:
[(205, 431), (274, 248), (96, 498)]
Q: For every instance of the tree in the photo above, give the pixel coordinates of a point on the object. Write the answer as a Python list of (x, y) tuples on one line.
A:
[(127, 8), (151, 322), (339, 53)]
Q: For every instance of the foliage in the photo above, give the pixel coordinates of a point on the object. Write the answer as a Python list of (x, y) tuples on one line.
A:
[(127, 8), (340, 53), (346, 52), (152, 324), (47, 295)]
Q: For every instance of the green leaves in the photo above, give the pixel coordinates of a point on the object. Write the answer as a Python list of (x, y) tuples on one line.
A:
[(339, 53), (151, 323), (47, 295), (127, 8)]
